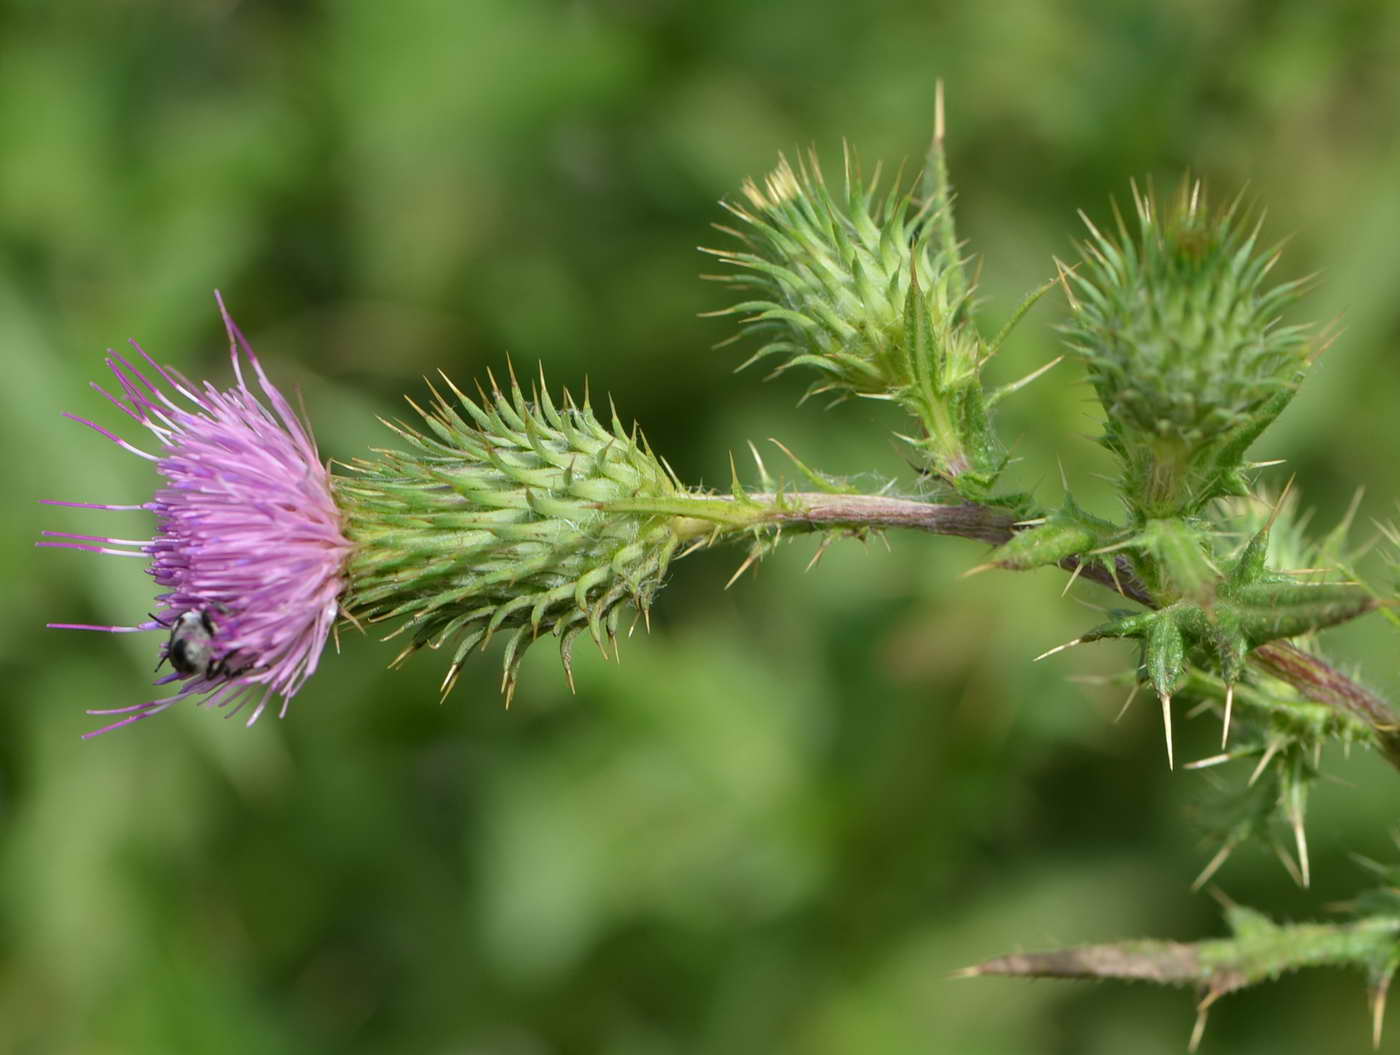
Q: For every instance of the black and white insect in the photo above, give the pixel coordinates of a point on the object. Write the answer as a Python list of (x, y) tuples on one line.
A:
[(190, 649)]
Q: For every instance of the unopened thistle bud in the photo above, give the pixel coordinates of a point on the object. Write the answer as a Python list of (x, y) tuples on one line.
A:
[(1182, 339), (866, 287), (497, 519), (832, 274)]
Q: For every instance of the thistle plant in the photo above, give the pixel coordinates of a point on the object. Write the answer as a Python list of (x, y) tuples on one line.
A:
[(516, 513)]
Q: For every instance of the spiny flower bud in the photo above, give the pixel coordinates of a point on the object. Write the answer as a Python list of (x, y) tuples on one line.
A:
[(1182, 339), (497, 518), (832, 273), (866, 287)]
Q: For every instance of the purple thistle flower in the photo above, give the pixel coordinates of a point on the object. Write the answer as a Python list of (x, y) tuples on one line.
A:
[(249, 546)]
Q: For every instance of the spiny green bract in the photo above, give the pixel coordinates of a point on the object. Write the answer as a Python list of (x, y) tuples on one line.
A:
[(497, 519), (1230, 612), (1067, 532), (1182, 339)]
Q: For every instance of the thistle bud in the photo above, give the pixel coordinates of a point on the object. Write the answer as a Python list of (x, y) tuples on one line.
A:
[(832, 274), (1181, 336), (497, 518), (866, 287)]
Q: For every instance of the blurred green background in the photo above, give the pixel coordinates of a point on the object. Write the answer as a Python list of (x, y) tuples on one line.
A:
[(795, 806)]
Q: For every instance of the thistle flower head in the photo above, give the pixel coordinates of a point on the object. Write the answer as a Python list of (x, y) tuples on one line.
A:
[(1181, 335), (248, 546), (499, 518)]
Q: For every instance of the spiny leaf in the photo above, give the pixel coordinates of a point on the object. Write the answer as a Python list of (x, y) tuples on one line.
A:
[(1259, 950)]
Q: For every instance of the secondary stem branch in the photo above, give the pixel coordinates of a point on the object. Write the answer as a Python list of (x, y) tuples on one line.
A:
[(1313, 677)]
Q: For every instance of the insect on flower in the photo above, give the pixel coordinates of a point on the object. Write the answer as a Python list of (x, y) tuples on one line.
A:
[(248, 546), (190, 649)]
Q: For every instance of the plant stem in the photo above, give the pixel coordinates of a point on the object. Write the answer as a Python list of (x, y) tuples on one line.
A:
[(1323, 683), (817, 509), (1311, 676)]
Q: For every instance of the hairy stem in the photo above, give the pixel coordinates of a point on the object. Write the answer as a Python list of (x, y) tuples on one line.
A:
[(1311, 676), (1323, 683)]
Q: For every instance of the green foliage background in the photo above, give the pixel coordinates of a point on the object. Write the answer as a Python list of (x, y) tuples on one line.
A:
[(797, 805)]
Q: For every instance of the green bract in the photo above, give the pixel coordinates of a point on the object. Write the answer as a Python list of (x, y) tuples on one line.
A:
[(1182, 339), (497, 519)]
